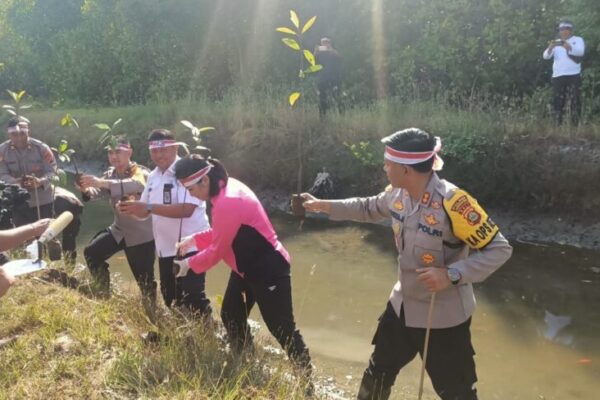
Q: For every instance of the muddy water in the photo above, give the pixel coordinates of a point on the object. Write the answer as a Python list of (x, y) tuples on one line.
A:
[(536, 329)]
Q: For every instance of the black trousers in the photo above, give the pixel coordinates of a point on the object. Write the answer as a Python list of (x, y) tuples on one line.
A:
[(69, 234), (329, 92), (140, 258), (450, 363), (188, 292), (273, 294), (567, 97)]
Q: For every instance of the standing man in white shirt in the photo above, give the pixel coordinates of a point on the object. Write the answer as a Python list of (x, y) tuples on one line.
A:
[(175, 214), (567, 52)]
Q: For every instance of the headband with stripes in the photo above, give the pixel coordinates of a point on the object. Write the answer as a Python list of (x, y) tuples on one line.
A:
[(196, 176), (416, 157), (159, 144)]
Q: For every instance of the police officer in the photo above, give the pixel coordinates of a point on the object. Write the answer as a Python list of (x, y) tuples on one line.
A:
[(30, 163), (123, 180), (446, 242)]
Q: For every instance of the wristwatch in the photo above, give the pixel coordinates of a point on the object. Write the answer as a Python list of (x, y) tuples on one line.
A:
[(454, 275), (149, 207)]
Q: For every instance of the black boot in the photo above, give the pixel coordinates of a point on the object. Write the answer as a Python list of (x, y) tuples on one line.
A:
[(373, 389), (100, 280)]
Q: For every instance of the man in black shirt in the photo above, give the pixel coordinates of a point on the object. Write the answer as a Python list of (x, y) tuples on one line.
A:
[(328, 79)]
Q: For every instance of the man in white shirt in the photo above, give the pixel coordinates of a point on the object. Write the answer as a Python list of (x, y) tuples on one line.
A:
[(567, 52), (175, 214)]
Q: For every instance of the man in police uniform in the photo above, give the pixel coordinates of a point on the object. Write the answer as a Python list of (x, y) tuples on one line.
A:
[(124, 180), (30, 163), (446, 242), (175, 213)]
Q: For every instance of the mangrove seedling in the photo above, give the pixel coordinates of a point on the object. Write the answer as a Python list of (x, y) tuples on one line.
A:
[(196, 136)]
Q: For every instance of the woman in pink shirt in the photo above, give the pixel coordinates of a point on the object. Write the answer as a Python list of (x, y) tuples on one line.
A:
[(241, 235)]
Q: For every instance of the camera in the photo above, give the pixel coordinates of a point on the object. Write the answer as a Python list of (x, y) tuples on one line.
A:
[(12, 197)]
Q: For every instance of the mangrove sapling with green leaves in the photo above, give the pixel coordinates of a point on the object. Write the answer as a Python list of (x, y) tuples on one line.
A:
[(307, 65), (15, 108), (110, 140), (196, 137)]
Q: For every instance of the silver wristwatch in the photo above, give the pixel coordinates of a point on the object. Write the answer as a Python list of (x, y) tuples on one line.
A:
[(454, 275)]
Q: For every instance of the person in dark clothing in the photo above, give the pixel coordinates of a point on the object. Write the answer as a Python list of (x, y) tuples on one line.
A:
[(242, 235), (328, 78)]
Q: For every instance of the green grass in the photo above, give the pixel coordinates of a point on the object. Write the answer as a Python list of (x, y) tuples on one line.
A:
[(73, 346)]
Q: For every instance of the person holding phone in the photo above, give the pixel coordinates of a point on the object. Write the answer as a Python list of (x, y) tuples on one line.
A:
[(175, 213), (567, 52)]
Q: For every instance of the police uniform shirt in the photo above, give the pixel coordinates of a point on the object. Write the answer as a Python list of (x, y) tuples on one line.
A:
[(125, 227), (563, 64), (163, 188), (425, 237), (36, 159)]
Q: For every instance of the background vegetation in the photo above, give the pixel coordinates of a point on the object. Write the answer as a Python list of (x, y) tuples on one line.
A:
[(132, 51), (469, 71)]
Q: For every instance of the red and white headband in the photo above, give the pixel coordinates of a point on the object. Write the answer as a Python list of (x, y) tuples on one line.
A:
[(196, 176), (123, 147), (21, 127), (159, 144), (416, 157)]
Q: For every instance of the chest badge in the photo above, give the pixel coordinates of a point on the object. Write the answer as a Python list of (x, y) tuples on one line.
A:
[(425, 198), (431, 220), (436, 205), (398, 205), (427, 259)]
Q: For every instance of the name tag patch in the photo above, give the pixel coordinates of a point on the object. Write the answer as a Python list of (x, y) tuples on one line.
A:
[(429, 230)]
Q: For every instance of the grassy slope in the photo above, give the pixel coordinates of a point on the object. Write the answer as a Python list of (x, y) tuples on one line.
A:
[(72, 346)]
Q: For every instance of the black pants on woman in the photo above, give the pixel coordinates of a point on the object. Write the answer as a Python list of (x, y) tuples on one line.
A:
[(140, 259), (450, 363), (188, 292), (272, 291)]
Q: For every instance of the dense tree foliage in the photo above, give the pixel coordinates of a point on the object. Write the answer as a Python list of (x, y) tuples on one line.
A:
[(133, 51)]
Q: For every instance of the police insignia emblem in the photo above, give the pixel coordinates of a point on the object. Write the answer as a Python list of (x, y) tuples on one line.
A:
[(473, 217), (431, 220), (469, 221), (427, 258), (398, 205), (436, 205), (425, 197)]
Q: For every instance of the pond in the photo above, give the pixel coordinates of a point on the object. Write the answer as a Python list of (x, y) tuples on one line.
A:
[(536, 328)]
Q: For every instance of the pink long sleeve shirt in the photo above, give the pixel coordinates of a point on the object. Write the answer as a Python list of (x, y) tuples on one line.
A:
[(241, 235)]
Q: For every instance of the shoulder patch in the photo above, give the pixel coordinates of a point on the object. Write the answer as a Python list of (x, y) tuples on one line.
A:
[(470, 222)]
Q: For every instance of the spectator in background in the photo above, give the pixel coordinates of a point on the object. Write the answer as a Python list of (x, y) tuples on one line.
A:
[(567, 52), (328, 78)]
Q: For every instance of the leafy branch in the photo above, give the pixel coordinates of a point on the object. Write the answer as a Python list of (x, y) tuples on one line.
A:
[(16, 107), (196, 136), (307, 58), (108, 137)]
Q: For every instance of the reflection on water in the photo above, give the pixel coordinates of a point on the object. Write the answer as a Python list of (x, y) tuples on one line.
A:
[(535, 329)]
